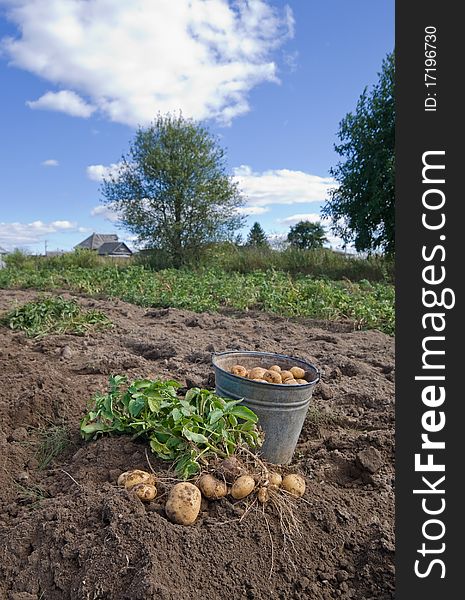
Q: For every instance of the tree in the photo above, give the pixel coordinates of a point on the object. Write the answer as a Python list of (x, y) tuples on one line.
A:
[(172, 189), (362, 207), (306, 235), (257, 237)]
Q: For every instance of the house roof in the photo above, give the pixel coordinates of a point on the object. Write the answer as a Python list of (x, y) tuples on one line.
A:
[(94, 241), (113, 248)]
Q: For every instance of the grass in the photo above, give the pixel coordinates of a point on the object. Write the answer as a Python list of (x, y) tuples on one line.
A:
[(365, 304), (51, 442), (49, 315), (30, 494), (320, 262)]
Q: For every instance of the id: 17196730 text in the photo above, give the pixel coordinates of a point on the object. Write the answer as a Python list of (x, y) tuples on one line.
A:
[(431, 101)]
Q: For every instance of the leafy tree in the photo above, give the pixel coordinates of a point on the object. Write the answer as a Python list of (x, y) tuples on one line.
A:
[(362, 207), (257, 237), (306, 235), (172, 189)]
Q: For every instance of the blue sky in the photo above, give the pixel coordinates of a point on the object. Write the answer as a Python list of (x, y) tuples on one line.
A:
[(273, 81)]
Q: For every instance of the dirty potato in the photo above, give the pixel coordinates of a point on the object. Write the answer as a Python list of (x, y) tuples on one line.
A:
[(212, 488), (256, 373), (129, 479), (144, 491), (276, 368), (263, 495), (242, 487), (239, 370), (302, 381), (183, 504), (275, 480), (272, 377), (294, 484), (297, 372), (290, 382), (230, 469), (286, 375)]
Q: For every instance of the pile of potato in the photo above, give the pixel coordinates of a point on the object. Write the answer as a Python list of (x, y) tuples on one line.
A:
[(184, 499), (293, 376), (141, 483)]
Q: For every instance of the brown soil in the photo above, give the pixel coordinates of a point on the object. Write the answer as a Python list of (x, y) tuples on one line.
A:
[(68, 532)]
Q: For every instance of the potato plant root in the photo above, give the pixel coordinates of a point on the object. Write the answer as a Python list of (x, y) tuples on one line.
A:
[(69, 532)]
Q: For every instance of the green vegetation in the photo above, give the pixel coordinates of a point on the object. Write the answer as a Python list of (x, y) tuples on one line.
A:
[(49, 315), (306, 235), (172, 189), (31, 494), (318, 262), (362, 206), (367, 305), (51, 441), (185, 430), (257, 237)]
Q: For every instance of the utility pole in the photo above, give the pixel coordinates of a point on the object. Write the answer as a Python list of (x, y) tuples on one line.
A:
[(45, 246)]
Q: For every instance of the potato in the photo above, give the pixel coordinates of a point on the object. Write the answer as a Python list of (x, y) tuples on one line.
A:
[(291, 382), (239, 370), (297, 372), (263, 495), (242, 487), (122, 478), (275, 480), (183, 504), (302, 381), (276, 368), (230, 469), (294, 484), (212, 488), (144, 491), (135, 476), (256, 373), (260, 380), (272, 377), (286, 375)]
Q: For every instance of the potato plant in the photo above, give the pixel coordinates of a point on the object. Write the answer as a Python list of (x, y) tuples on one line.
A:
[(54, 314), (186, 430)]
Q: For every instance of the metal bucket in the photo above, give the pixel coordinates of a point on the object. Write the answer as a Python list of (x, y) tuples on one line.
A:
[(281, 408)]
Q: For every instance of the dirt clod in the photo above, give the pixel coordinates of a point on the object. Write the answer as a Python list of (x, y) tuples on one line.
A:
[(370, 459)]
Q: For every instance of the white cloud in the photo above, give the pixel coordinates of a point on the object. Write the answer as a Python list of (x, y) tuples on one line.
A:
[(23, 234), (312, 217), (133, 59), (252, 210), (51, 162), (65, 101), (105, 212), (99, 172), (281, 186)]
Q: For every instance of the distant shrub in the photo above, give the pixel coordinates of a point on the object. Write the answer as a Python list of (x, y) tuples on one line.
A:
[(19, 259), (87, 259)]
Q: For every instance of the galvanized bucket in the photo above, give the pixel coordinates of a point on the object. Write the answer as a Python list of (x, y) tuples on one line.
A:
[(281, 408)]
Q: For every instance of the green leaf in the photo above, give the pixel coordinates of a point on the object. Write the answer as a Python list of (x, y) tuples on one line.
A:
[(186, 467), (154, 403), (136, 405), (161, 450), (242, 412), (215, 416), (91, 428), (176, 415), (197, 438), (191, 394)]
